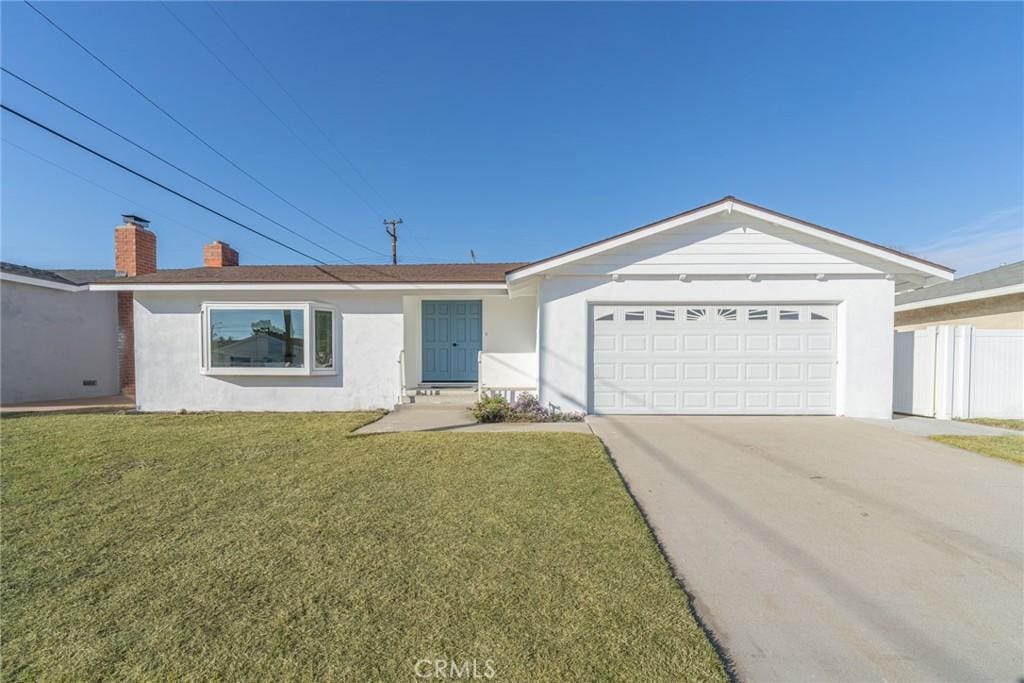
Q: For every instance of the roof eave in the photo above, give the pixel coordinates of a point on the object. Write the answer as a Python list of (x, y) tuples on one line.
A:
[(39, 282), (963, 297), (129, 286)]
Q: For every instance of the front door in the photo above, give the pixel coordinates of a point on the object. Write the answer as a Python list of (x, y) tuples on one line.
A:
[(451, 340)]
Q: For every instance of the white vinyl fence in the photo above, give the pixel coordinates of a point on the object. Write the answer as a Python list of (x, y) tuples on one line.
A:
[(948, 371)]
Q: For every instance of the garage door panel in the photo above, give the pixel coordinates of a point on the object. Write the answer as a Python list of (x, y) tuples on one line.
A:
[(634, 371), (695, 371), (758, 342), (665, 343), (665, 400), (727, 342), (789, 372), (789, 343), (665, 372), (727, 371), (696, 342), (727, 400), (757, 400), (729, 359)]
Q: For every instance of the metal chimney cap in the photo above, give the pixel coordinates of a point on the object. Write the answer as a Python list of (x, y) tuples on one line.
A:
[(132, 219)]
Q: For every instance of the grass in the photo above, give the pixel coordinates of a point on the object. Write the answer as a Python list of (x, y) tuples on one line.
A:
[(997, 422), (260, 546), (1006, 447)]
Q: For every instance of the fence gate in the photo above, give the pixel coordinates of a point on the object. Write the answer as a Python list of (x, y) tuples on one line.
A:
[(948, 371)]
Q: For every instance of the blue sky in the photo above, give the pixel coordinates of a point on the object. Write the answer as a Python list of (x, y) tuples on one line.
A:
[(520, 130)]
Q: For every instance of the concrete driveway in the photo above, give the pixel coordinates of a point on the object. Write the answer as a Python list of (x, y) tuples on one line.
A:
[(829, 549)]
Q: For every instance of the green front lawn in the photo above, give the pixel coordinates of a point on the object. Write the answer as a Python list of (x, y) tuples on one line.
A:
[(997, 422), (275, 547), (1007, 447)]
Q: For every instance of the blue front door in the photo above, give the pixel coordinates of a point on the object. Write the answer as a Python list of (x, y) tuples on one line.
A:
[(451, 340)]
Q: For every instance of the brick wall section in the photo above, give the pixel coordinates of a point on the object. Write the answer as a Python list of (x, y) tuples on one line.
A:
[(134, 254), (219, 254), (126, 342)]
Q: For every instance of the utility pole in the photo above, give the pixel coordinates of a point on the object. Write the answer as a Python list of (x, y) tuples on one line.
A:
[(393, 232)]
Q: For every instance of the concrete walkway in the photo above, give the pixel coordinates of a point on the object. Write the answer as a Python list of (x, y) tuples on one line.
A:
[(826, 549), (442, 418), (98, 404), (926, 426)]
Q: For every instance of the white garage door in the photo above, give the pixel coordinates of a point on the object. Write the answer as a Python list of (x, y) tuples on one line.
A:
[(713, 359)]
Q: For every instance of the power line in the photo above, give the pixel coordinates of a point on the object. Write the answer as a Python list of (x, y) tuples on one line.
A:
[(193, 133), (135, 202), (156, 156), (271, 110), (80, 145), (135, 173), (300, 107), (313, 121)]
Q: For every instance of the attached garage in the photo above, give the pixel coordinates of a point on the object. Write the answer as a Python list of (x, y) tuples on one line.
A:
[(729, 308), (706, 358)]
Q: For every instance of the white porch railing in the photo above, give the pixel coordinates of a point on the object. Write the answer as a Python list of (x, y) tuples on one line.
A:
[(401, 377), (506, 373)]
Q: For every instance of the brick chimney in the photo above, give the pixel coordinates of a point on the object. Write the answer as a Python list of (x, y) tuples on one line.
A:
[(134, 247), (134, 254), (219, 254)]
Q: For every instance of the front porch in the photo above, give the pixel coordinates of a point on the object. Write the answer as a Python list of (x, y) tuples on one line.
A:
[(458, 346)]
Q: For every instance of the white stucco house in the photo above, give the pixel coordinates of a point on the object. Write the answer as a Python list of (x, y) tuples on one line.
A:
[(727, 308), (58, 340)]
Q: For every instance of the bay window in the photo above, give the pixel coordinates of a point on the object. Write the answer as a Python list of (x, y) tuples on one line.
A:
[(247, 338)]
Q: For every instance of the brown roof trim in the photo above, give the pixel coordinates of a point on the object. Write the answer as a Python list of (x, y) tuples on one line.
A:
[(411, 274), (749, 205)]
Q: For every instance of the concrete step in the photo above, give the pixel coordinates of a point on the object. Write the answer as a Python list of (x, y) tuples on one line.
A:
[(442, 396)]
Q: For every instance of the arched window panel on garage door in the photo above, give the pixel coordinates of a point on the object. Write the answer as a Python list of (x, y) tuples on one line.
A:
[(664, 314), (818, 313)]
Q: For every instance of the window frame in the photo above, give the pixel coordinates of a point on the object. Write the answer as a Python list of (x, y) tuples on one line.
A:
[(308, 309)]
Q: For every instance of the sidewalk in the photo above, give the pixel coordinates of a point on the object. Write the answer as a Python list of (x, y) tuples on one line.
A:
[(97, 404)]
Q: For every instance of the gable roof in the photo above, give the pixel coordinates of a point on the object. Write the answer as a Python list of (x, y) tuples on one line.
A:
[(729, 203), (435, 273), (1006, 279), (64, 279)]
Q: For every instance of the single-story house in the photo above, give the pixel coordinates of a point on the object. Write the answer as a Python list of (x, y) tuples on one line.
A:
[(727, 308), (58, 340), (990, 300)]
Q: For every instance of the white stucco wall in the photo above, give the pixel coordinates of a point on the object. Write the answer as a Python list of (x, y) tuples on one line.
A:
[(509, 337), (864, 328), (51, 341), (167, 356)]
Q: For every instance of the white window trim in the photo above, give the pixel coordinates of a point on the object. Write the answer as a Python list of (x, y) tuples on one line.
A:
[(309, 342)]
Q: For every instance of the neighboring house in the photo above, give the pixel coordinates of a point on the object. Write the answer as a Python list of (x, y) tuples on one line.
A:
[(726, 308), (57, 339), (960, 347), (61, 339), (989, 300)]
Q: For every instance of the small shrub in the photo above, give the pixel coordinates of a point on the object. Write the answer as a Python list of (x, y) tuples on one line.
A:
[(491, 408), (526, 408)]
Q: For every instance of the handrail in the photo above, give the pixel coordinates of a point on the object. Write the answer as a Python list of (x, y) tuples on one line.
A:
[(401, 376), (480, 374)]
